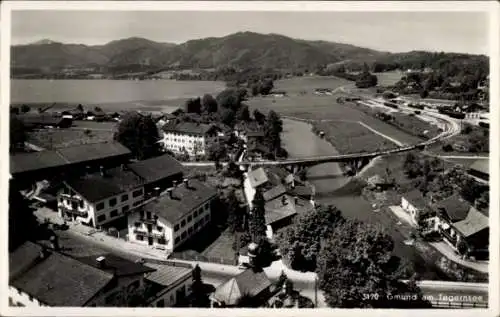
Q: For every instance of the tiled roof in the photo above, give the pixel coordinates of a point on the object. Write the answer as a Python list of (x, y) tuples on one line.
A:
[(473, 223), (279, 172), (183, 201), (257, 177), (157, 168), (94, 151), (167, 274), (95, 187), (277, 210), (416, 198), (27, 162), (249, 282), (274, 192), (301, 191), (116, 265), (59, 280), (23, 257), (189, 127), (481, 166), (455, 207)]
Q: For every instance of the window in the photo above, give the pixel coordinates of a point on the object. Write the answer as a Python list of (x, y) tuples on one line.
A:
[(148, 215), (124, 197), (190, 230), (159, 228), (172, 298), (183, 223), (112, 202), (113, 213), (137, 193), (125, 208), (195, 213), (101, 218), (139, 237), (160, 303), (190, 218), (137, 224), (196, 225), (99, 206), (177, 240), (176, 228), (137, 203), (74, 205), (81, 204), (183, 235), (141, 213), (162, 241)]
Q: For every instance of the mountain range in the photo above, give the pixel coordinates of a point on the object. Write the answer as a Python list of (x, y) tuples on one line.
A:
[(242, 50)]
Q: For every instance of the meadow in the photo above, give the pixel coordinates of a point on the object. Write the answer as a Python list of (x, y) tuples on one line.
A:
[(60, 138)]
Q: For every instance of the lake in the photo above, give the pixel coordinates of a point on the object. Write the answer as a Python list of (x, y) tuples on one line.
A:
[(107, 91)]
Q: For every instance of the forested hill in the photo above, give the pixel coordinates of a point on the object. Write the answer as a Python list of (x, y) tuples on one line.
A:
[(241, 50)]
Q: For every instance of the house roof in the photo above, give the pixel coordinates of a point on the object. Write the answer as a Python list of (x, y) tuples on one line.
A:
[(252, 133), (301, 191), (473, 223), (455, 207), (416, 198), (40, 118), (183, 202), (22, 257), (249, 282), (481, 166), (189, 127), (257, 177), (274, 192), (168, 274), (157, 168), (116, 265), (95, 187), (279, 172), (59, 280), (277, 210), (94, 151), (26, 162)]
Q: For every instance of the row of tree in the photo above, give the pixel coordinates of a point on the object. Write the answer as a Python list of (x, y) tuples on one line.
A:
[(354, 261)]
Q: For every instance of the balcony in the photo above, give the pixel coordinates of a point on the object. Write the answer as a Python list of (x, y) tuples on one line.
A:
[(76, 212), (149, 234)]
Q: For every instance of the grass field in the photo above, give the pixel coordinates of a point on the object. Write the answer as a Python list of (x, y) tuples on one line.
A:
[(59, 138), (351, 137), (326, 107), (296, 85), (388, 78)]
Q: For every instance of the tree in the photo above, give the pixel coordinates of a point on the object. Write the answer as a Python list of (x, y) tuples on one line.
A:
[(266, 87), (216, 151), (17, 134), (98, 109), (199, 295), (257, 221), (139, 134), (356, 269), (235, 213), (272, 129), (208, 103), (424, 94), (79, 108), (25, 108), (243, 114), (471, 190), (229, 99), (281, 279), (193, 105), (300, 242), (227, 116), (258, 116), (255, 88)]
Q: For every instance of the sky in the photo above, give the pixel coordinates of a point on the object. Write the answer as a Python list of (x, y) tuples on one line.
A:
[(464, 32)]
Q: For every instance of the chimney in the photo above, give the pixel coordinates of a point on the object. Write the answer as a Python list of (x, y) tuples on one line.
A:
[(186, 182), (170, 192), (101, 261), (101, 170), (54, 242), (157, 191), (174, 183), (283, 200)]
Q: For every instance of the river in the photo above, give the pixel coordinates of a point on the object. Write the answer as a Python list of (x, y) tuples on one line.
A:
[(299, 140)]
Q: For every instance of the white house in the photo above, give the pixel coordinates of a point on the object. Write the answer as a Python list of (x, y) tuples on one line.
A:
[(171, 219), (173, 281), (414, 204), (99, 198), (253, 180), (194, 138)]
